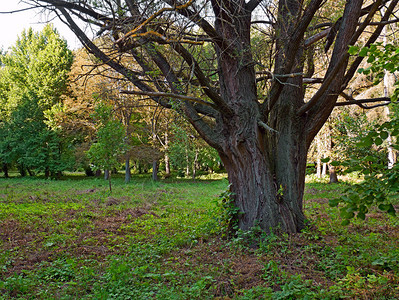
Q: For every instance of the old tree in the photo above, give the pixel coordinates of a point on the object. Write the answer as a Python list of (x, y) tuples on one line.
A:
[(239, 72)]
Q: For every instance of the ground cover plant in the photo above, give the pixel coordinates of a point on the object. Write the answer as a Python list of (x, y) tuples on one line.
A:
[(168, 240)]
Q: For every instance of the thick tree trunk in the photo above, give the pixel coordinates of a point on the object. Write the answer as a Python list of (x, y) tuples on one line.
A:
[(266, 169), (268, 189)]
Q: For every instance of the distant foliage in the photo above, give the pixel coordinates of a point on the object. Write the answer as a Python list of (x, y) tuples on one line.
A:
[(33, 78), (105, 153)]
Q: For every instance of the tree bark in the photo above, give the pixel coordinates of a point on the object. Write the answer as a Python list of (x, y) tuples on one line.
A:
[(5, 170), (318, 168), (155, 170), (109, 182), (166, 157), (324, 170), (106, 174), (30, 172), (195, 163), (128, 174), (47, 173), (268, 186), (333, 174)]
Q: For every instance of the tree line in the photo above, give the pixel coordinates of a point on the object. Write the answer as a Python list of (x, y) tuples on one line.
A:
[(56, 118)]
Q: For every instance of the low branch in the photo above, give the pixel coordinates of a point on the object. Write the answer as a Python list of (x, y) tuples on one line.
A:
[(170, 95), (384, 22), (360, 102), (17, 10), (313, 39), (313, 80)]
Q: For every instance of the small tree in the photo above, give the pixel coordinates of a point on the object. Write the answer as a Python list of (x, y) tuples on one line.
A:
[(110, 145)]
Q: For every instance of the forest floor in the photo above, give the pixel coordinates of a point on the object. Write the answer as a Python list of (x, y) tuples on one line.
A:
[(72, 239)]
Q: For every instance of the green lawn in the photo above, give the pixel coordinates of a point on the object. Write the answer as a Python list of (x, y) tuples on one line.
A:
[(71, 239)]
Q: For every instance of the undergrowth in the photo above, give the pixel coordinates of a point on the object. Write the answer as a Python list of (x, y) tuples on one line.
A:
[(72, 239)]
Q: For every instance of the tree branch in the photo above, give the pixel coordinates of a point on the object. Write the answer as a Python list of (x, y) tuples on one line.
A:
[(252, 4), (202, 23), (292, 47), (360, 102), (76, 6), (169, 95), (352, 69), (313, 39), (341, 62), (207, 88), (92, 48)]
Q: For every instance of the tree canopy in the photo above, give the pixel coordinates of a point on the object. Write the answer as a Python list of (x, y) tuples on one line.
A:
[(33, 79)]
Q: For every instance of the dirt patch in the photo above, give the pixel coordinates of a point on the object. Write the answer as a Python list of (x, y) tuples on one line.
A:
[(15, 236), (96, 240), (320, 200), (232, 270), (312, 191), (88, 191), (116, 201)]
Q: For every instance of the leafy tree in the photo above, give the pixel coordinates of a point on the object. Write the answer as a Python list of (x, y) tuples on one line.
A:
[(33, 79), (262, 141), (105, 153)]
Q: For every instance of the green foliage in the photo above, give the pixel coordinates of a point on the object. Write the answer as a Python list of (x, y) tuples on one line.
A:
[(106, 152), (381, 58), (188, 152), (354, 137), (380, 184), (227, 212), (32, 81)]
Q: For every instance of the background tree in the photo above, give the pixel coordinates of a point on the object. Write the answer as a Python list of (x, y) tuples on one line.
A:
[(34, 77), (106, 152), (262, 141)]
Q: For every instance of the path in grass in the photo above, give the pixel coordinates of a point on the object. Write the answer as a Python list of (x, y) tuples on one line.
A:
[(71, 238)]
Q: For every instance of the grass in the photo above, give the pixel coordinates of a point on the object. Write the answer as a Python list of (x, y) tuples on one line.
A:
[(71, 239)]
